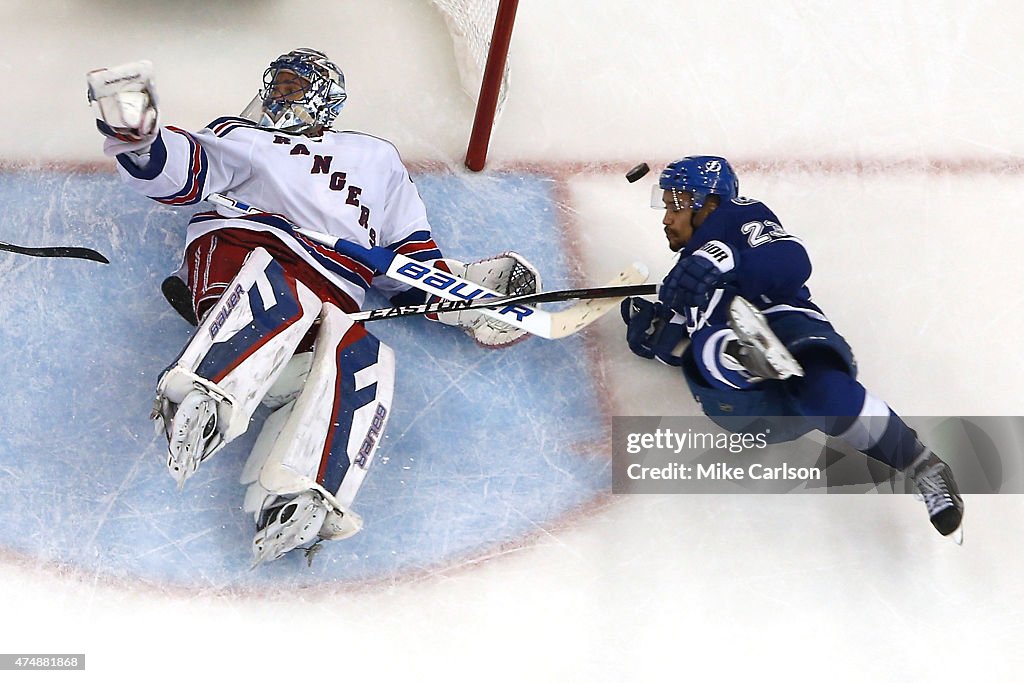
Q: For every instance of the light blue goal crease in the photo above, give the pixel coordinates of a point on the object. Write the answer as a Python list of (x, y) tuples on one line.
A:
[(483, 448)]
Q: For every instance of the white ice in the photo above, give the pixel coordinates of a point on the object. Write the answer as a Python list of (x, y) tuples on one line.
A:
[(887, 134)]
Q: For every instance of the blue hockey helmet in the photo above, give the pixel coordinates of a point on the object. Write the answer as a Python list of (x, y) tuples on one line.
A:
[(698, 175), (310, 108)]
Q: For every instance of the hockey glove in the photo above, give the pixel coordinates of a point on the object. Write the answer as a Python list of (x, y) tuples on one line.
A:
[(507, 273), (649, 334), (694, 278), (124, 101)]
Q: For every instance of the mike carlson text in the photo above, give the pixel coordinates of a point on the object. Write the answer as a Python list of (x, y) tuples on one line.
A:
[(722, 472)]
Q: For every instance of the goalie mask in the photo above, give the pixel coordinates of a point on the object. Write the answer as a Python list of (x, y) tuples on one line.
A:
[(302, 91)]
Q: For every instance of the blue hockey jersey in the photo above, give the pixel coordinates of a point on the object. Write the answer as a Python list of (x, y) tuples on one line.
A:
[(769, 266)]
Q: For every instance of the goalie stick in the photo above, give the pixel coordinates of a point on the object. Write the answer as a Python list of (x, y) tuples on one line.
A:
[(613, 290), (449, 287), (180, 298), (56, 252)]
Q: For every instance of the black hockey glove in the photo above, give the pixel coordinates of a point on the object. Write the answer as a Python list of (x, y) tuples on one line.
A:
[(648, 334)]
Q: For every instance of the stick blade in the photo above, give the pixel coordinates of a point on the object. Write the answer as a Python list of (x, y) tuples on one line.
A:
[(56, 252), (575, 318), (79, 252)]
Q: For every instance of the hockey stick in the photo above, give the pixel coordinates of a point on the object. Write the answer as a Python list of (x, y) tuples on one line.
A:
[(56, 252), (609, 291), (449, 287), (180, 298)]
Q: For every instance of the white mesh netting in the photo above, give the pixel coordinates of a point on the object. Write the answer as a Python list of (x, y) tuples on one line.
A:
[(470, 23)]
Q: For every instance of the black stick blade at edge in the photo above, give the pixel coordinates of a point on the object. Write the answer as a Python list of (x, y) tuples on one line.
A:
[(56, 252)]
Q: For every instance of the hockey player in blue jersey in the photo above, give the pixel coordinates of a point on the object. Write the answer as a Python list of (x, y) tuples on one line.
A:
[(757, 344)]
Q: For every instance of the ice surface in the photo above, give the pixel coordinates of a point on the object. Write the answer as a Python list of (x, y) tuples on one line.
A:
[(886, 134)]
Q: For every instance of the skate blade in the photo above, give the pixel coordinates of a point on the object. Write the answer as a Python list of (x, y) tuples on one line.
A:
[(752, 329), (957, 536), (181, 480), (181, 469)]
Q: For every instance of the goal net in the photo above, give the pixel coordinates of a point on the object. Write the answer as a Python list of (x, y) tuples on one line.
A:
[(481, 31)]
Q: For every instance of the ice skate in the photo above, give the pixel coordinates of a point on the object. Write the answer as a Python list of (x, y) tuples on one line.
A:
[(287, 524), (934, 481), (192, 435), (761, 352)]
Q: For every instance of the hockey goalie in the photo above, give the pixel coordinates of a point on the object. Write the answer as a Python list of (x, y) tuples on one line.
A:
[(273, 307)]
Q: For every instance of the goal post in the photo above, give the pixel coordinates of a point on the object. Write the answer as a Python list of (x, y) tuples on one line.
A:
[(481, 33)]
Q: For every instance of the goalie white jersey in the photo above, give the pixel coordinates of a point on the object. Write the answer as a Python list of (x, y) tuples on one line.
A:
[(347, 184), (273, 306)]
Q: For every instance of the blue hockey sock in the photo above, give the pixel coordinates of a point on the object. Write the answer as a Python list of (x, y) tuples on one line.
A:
[(835, 403), (828, 397), (882, 434)]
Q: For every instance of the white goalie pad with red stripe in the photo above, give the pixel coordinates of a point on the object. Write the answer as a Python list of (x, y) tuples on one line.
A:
[(327, 439), (244, 343)]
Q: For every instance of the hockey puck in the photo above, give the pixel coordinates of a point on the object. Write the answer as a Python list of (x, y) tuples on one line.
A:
[(637, 172)]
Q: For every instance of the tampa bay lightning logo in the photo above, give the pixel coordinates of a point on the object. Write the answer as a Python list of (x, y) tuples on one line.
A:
[(713, 166)]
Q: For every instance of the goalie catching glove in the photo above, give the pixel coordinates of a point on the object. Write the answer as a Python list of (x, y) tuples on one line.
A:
[(508, 274), (124, 101)]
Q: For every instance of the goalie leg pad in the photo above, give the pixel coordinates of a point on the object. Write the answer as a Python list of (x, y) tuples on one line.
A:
[(327, 442), (256, 497), (233, 358), (507, 273), (289, 384)]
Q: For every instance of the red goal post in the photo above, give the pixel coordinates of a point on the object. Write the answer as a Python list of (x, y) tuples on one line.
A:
[(481, 31)]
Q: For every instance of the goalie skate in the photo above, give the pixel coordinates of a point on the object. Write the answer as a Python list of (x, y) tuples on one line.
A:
[(288, 524), (192, 435), (766, 355)]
